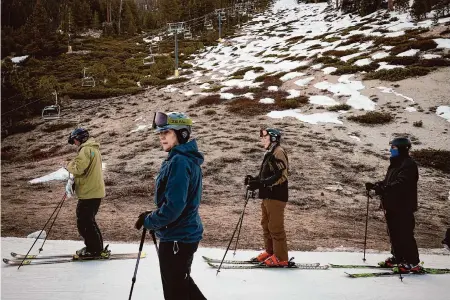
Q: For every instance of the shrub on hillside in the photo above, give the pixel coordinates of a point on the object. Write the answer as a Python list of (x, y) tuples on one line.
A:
[(339, 107), (397, 73), (432, 158), (372, 117), (207, 100)]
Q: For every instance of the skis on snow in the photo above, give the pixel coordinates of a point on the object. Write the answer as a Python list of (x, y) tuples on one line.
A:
[(250, 264), (387, 273), (64, 258)]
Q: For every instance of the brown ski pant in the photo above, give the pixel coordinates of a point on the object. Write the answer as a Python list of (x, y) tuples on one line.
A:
[(272, 222)]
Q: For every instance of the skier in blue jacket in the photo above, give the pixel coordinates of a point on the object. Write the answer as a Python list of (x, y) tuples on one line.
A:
[(176, 220)]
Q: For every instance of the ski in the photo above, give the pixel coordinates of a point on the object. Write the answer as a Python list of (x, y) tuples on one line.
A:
[(262, 266), (242, 262), (57, 256), (17, 262), (391, 273), (427, 270)]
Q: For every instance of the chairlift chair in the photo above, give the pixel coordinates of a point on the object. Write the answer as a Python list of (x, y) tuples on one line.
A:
[(187, 34), (209, 25), (52, 112), (88, 81)]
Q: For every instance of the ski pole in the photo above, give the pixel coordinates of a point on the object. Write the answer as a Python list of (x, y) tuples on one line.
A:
[(234, 232), (59, 204), (133, 280), (152, 233), (51, 226), (367, 221), (247, 195)]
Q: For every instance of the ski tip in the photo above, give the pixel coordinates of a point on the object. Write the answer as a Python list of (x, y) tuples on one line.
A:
[(13, 254), (350, 275), (211, 265), (205, 258), (6, 261)]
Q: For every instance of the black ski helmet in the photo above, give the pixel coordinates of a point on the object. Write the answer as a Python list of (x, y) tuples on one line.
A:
[(275, 134), (79, 134), (402, 143)]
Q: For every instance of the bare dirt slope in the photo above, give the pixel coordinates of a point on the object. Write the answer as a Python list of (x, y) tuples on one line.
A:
[(328, 168)]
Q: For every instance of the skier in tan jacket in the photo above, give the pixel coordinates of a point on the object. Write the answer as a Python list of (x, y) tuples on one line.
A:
[(87, 172)]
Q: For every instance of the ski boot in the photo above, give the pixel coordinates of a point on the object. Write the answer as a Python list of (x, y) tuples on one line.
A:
[(261, 257), (390, 262), (273, 261), (84, 254), (405, 268)]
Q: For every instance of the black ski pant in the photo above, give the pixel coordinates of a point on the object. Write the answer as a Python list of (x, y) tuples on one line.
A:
[(87, 227), (401, 232), (447, 237), (175, 260)]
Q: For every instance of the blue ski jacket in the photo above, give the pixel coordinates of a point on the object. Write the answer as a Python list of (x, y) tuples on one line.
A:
[(178, 191)]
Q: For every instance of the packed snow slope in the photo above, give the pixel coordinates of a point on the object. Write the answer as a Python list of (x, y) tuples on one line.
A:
[(99, 280)]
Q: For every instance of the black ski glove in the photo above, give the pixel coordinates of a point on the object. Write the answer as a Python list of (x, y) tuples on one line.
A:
[(370, 186), (254, 184), (247, 179), (140, 221), (379, 188)]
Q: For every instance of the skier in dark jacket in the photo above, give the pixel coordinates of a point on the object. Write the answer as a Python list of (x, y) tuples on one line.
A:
[(398, 192), (272, 182), (176, 220)]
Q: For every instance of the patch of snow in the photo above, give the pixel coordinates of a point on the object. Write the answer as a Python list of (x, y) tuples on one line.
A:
[(317, 66), (387, 90), (411, 109), (293, 93), (304, 81), (363, 62), (325, 117), (291, 75), (60, 174), (139, 128), (35, 234), (204, 86), (227, 96), (354, 137), (410, 52), (329, 70), (348, 57), (387, 47), (267, 101), (394, 34), (351, 88), (18, 59), (322, 100), (380, 55), (442, 43), (431, 56), (250, 75), (272, 88), (249, 96), (386, 66), (443, 112), (189, 93)]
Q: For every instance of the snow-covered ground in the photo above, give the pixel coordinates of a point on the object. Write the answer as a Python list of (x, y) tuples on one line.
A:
[(112, 279)]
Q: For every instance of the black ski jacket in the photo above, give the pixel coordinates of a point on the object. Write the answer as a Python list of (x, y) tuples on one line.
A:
[(399, 187)]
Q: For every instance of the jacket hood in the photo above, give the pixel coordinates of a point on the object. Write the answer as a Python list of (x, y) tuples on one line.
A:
[(189, 150), (91, 143)]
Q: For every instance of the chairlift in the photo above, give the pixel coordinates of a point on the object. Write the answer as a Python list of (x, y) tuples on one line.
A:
[(52, 112), (188, 34), (88, 81), (209, 25), (150, 59)]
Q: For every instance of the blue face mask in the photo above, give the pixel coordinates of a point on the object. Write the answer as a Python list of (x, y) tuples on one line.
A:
[(394, 152)]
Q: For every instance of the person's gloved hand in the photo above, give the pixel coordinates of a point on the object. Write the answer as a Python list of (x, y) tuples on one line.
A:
[(370, 186), (378, 188), (69, 187), (254, 184), (247, 179), (140, 221)]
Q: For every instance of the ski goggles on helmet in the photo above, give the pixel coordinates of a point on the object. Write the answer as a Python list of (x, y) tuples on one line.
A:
[(161, 119)]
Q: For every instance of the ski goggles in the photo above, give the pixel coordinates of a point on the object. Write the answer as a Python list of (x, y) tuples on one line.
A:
[(161, 119)]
